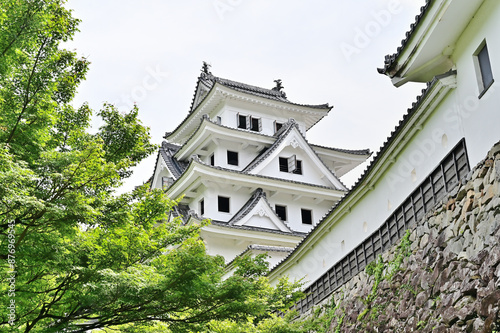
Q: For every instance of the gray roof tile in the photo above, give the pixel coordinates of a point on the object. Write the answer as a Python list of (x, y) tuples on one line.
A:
[(390, 60)]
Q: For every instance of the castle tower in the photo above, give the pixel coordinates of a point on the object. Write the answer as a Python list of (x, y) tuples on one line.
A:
[(241, 159)]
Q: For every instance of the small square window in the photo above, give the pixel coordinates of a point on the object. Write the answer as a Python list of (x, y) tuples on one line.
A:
[(483, 68), (281, 212), (202, 207), (223, 204), (306, 216), (232, 157)]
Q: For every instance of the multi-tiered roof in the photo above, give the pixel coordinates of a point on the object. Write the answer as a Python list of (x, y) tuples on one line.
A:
[(241, 159)]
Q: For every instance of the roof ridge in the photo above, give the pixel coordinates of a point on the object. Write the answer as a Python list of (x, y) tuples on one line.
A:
[(281, 134)]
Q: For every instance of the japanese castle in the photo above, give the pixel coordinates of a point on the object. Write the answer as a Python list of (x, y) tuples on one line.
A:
[(241, 159)]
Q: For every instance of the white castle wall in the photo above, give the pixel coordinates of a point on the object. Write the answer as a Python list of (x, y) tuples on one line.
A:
[(460, 114)]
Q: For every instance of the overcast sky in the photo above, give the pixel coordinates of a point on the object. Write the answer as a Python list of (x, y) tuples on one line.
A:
[(325, 51)]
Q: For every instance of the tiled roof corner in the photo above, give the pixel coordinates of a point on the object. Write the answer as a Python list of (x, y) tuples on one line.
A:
[(348, 151), (167, 152), (390, 59), (248, 206)]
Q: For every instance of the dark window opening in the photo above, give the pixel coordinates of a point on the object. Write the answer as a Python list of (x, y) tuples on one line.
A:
[(242, 121), (232, 157), (212, 160), (202, 207), (281, 212), (486, 79), (223, 204), (277, 126), (256, 125), (306, 216), (298, 168), (290, 164), (283, 164)]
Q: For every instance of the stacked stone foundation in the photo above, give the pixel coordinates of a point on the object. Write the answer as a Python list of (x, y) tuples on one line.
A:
[(445, 277)]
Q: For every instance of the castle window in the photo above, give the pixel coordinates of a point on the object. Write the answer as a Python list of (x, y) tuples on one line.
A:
[(306, 216), (166, 182), (202, 207), (251, 123), (223, 204), (483, 68), (219, 120), (212, 160), (256, 125), (243, 121), (281, 212), (298, 168), (277, 126), (290, 164), (232, 157)]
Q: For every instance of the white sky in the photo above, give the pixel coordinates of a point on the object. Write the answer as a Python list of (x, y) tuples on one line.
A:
[(325, 51)]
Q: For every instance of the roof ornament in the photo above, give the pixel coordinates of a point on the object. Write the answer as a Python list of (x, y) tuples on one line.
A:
[(206, 68), (279, 87)]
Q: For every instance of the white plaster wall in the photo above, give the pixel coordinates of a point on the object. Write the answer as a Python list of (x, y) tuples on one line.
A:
[(460, 114), (236, 201), (478, 119), (228, 248), (245, 156)]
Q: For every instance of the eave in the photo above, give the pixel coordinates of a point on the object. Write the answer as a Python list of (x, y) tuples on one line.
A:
[(209, 132), (218, 94), (198, 176), (428, 47), (408, 127), (251, 234), (341, 160)]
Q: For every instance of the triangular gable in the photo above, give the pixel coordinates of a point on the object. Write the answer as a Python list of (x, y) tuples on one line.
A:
[(257, 213), (167, 168), (201, 92), (291, 136)]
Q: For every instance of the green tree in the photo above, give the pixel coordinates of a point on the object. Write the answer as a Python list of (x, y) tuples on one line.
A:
[(81, 256)]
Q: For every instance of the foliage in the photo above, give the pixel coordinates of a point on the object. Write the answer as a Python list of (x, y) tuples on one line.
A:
[(86, 258)]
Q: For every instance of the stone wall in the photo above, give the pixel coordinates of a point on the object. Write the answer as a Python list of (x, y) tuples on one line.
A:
[(444, 276)]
